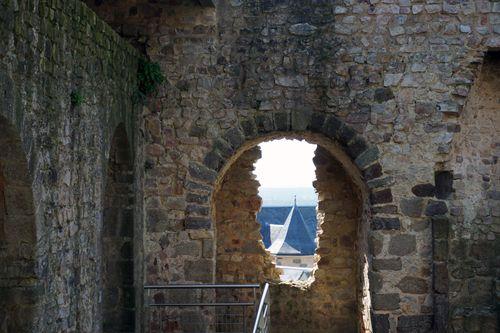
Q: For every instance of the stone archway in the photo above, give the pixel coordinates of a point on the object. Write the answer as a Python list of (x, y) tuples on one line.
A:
[(19, 284), (118, 238), (337, 300), (351, 152)]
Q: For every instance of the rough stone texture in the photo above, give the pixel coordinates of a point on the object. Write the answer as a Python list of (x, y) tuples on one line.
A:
[(49, 50), (240, 253), (241, 258), (395, 77), (118, 238), (474, 209), (19, 283)]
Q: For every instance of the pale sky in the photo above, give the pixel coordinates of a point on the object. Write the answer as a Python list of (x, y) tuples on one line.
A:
[(286, 163)]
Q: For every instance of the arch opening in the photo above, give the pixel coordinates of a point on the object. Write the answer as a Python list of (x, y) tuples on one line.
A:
[(19, 284), (288, 213), (337, 298), (118, 239)]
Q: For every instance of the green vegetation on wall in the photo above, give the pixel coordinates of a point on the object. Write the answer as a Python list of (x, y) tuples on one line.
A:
[(76, 98), (149, 78)]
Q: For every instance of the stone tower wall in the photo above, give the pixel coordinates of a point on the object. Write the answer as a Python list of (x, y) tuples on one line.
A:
[(51, 50)]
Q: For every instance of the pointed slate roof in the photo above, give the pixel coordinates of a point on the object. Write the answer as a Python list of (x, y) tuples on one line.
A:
[(293, 238)]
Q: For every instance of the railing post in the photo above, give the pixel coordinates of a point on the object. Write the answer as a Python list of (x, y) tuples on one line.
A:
[(262, 318)]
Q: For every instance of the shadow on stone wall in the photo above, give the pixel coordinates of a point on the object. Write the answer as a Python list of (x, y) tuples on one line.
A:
[(19, 283)]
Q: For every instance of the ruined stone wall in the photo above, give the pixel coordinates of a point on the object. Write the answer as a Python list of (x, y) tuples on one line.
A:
[(376, 76), (396, 72), (118, 239), (19, 285), (473, 226), (50, 51), (331, 302), (240, 254)]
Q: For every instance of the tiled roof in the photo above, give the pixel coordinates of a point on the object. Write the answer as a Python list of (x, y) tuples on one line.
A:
[(293, 237)]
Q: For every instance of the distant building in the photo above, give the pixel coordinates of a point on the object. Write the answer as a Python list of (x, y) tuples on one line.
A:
[(292, 245)]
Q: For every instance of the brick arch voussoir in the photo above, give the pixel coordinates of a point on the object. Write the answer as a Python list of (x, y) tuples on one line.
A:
[(204, 176)]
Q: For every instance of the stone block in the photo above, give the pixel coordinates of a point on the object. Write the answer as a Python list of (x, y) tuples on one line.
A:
[(197, 198), (301, 119), (441, 313), (375, 243), (423, 190), (387, 264), (290, 80), (194, 222), (373, 171), (282, 121), (157, 220), (197, 209), (376, 281), (332, 126), (208, 248), (201, 172), (249, 128), (302, 29), (188, 248), (264, 123), (386, 209), (199, 270), (386, 301), (413, 285), (449, 107), (412, 206), (383, 95), (234, 137), (367, 157), (401, 245), (223, 148), (356, 147), (386, 223), (380, 197), (436, 208), (317, 121), (380, 182), (380, 323), (440, 227), (415, 324), (345, 134)]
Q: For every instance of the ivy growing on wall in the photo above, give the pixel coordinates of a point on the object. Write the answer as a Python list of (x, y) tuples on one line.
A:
[(149, 78), (76, 98)]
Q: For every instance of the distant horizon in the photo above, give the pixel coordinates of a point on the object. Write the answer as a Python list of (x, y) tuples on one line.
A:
[(284, 196)]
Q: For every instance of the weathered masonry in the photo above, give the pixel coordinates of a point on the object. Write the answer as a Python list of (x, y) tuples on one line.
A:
[(101, 195)]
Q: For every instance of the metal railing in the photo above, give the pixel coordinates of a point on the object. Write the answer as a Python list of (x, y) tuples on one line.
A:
[(263, 317), (201, 308)]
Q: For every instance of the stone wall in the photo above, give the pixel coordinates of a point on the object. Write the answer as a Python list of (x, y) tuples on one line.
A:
[(19, 284), (389, 81), (397, 73), (334, 297), (118, 239), (473, 226), (240, 253), (51, 51), (332, 301)]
